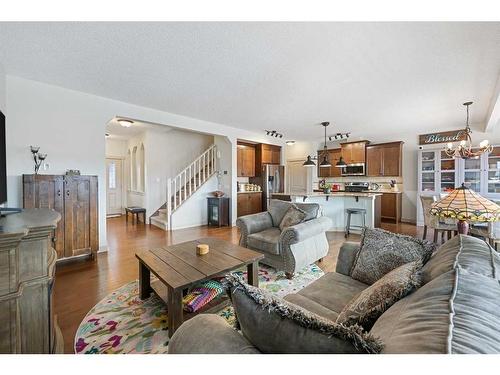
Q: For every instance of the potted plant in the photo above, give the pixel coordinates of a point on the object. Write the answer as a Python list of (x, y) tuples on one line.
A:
[(327, 188)]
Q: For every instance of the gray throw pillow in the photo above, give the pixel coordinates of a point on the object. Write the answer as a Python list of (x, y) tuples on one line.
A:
[(382, 251), (274, 325), (311, 209), (365, 308), (292, 217)]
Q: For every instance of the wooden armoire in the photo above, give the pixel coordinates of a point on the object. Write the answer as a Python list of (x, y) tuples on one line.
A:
[(75, 198)]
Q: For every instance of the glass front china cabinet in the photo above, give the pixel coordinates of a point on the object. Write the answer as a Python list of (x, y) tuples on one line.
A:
[(438, 174)]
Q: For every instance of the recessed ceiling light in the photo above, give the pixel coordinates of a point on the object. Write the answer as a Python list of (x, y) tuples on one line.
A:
[(290, 143), (125, 123)]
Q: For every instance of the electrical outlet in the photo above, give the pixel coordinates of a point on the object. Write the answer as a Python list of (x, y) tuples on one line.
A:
[(46, 166)]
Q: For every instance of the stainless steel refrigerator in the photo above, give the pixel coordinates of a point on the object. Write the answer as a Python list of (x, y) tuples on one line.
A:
[(272, 180)]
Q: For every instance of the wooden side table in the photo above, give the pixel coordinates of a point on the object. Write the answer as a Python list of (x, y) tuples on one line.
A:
[(219, 211)]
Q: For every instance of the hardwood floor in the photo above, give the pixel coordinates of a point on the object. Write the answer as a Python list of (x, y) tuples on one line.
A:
[(81, 284)]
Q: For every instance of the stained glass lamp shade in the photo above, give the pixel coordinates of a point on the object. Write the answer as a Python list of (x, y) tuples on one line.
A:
[(465, 205)]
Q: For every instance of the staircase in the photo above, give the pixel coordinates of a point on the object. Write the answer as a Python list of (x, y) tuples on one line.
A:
[(181, 187)]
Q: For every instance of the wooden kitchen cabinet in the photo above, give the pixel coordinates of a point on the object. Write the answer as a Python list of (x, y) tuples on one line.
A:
[(249, 203), (266, 154), (245, 160), (391, 206), (353, 152), (384, 160), (269, 154), (333, 158)]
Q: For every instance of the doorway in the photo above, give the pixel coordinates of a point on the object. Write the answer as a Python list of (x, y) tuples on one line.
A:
[(114, 187), (297, 177)]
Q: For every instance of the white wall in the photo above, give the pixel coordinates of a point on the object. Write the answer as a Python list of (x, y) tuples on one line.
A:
[(116, 148), (193, 212), (166, 155), (69, 126)]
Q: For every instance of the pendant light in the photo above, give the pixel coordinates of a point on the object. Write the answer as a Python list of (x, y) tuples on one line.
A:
[(309, 162), (325, 163), (341, 163), (464, 148)]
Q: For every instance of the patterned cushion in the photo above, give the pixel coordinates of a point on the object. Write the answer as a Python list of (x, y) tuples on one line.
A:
[(311, 209), (292, 217), (382, 251), (277, 209), (275, 326), (371, 303)]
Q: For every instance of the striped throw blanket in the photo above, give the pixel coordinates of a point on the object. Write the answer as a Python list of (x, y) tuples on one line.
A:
[(201, 295)]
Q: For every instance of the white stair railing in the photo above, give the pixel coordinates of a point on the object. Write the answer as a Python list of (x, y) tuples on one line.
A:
[(187, 181)]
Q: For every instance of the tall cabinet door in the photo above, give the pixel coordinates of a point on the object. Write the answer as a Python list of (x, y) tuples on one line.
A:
[(428, 171), (80, 205), (46, 191), (492, 174)]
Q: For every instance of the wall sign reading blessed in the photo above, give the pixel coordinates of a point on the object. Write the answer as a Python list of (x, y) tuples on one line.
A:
[(443, 137)]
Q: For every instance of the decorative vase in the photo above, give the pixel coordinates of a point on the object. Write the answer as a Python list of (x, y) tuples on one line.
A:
[(326, 190), (463, 227)]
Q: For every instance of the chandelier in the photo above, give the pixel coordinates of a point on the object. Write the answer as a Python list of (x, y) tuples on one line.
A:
[(464, 149)]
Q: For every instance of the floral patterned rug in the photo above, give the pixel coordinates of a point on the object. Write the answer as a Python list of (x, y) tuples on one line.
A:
[(123, 323)]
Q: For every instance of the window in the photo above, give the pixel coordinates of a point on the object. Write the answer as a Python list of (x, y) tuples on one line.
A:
[(140, 170), (112, 175), (133, 170), (129, 170)]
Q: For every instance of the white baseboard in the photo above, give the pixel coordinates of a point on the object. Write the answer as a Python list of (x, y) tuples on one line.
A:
[(103, 249)]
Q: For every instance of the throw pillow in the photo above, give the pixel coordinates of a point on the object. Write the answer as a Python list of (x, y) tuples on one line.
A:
[(274, 325), (382, 251), (293, 216), (365, 308), (311, 209)]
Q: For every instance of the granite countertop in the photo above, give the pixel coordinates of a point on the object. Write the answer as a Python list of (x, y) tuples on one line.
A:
[(333, 194)]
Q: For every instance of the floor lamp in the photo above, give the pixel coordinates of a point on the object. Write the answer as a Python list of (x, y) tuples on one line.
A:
[(466, 206)]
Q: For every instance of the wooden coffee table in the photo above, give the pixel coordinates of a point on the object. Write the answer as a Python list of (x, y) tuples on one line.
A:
[(178, 267)]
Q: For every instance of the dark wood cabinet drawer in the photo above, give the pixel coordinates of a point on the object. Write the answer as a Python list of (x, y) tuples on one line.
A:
[(249, 203)]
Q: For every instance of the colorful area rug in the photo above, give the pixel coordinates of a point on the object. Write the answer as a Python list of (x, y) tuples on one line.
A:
[(123, 323)]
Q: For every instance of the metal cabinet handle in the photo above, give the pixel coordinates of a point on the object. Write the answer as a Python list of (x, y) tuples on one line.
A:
[(59, 192), (67, 193)]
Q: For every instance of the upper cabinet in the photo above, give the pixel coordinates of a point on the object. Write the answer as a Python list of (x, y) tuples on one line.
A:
[(266, 154), (353, 152), (384, 160), (270, 154), (245, 160), (333, 158)]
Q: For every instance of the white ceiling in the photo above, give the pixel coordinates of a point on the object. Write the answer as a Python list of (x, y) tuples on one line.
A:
[(363, 77), (117, 131)]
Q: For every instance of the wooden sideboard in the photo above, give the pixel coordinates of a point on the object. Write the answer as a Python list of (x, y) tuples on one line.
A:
[(27, 268), (75, 198)]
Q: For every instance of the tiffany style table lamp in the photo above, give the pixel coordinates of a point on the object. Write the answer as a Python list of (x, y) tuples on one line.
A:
[(465, 205)]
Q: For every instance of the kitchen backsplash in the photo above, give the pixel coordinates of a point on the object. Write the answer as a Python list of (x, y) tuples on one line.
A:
[(384, 182)]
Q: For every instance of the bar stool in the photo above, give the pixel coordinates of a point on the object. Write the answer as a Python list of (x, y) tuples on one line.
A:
[(354, 211)]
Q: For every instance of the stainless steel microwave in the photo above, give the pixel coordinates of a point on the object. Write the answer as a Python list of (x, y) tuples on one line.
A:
[(357, 169)]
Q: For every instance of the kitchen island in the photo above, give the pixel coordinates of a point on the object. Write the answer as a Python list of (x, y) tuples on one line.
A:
[(334, 206)]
